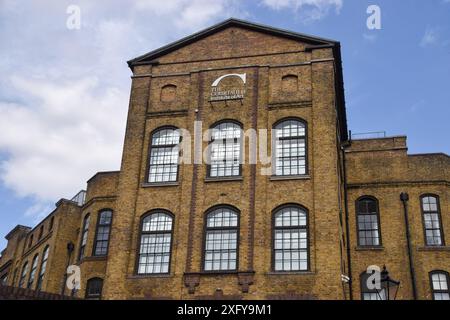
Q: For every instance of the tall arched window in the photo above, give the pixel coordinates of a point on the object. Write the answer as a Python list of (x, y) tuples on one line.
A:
[(94, 288), (368, 222), (289, 148), (225, 150), (34, 265), (440, 282), (290, 239), (102, 233), (42, 268), (23, 275), (432, 223), (156, 243), (164, 154), (221, 240), (84, 236)]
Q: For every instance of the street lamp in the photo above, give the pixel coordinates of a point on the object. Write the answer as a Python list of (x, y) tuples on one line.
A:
[(389, 287)]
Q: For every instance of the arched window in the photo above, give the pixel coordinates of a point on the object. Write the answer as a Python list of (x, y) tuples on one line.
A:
[(368, 222), (34, 265), (289, 148), (30, 243), (156, 243), (164, 153), (94, 288), (4, 280), (432, 223), (102, 233), (221, 239), (290, 239), (23, 275), (41, 232), (225, 150), (440, 282), (50, 227), (42, 268), (370, 294), (84, 236)]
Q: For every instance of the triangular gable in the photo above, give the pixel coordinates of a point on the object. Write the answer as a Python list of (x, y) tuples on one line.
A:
[(307, 39)]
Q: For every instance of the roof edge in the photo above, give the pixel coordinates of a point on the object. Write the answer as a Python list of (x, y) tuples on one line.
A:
[(222, 25)]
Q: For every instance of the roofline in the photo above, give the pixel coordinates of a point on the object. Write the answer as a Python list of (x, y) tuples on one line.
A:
[(102, 172), (429, 154), (381, 138), (8, 236), (222, 25)]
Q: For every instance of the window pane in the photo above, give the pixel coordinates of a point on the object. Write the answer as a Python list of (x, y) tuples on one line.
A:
[(221, 247), (291, 240), (225, 150), (164, 156), (155, 248)]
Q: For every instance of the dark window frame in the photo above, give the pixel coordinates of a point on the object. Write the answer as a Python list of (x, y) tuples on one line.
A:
[(447, 275), (206, 229), (82, 249), (439, 213), (50, 226), (30, 241), (41, 232), (149, 154), (357, 214), (41, 274), (241, 147), (97, 226), (23, 274), (139, 239), (89, 296), (308, 240), (33, 270), (274, 146)]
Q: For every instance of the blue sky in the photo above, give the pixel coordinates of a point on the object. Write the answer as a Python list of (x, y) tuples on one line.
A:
[(64, 93)]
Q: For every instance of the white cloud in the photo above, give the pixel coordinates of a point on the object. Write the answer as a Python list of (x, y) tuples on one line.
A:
[(430, 37), (64, 93), (309, 10)]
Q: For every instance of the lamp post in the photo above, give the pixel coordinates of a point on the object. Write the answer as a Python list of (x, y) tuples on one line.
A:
[(389, 287)]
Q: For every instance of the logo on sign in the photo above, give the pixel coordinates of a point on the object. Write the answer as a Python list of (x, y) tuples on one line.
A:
[(219, 93)]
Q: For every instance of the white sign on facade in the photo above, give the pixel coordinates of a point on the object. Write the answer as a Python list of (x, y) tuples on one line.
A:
[(218, 94)]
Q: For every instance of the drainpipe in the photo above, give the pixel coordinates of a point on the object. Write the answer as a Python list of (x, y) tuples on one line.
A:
[(347, 228), (70, 249), (404, 197)]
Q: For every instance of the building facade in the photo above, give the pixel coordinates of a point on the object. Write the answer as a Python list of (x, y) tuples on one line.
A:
[(303, 221)]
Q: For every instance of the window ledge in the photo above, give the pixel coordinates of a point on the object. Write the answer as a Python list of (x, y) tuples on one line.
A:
[(287, 178), (436, 248), (94, 258), (150, 276), (160, 184), (361, 248), (225, 179), (293, 273)]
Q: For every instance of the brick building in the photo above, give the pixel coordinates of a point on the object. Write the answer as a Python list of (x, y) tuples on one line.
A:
[(318, 212)]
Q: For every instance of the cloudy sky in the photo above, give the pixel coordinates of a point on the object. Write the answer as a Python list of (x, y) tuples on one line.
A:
[(64, 92)]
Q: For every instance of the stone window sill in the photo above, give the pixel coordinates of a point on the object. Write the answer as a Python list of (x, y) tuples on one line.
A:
[(429, 248), (150, 276), (287, 178), (299, 273), (94, 258), (157, 185), (369, 248), (224, 179)]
